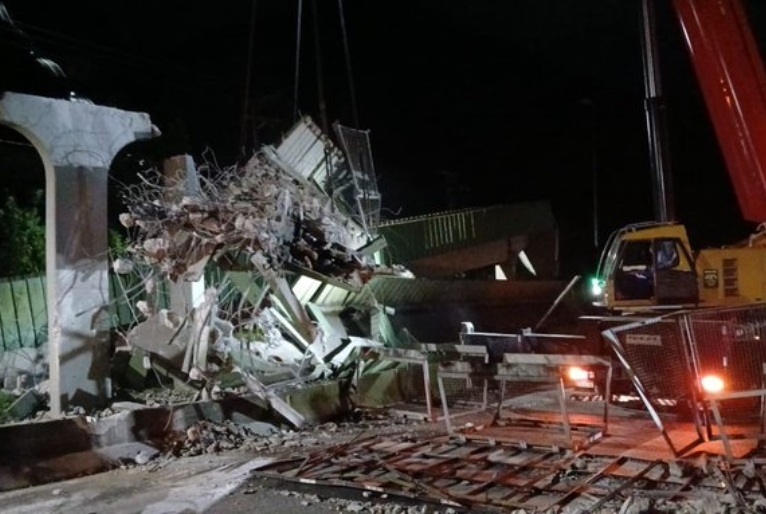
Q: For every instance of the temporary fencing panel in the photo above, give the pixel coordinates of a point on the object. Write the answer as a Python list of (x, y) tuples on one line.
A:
[(669, 356)]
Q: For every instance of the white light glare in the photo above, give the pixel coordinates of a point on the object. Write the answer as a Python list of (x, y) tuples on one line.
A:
[(577, 374), (711, 384)]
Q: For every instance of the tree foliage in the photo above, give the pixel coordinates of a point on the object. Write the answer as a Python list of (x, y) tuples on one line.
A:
[(22, 237)]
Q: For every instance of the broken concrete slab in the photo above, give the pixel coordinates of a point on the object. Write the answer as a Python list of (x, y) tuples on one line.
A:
[(25, 405), (128, 453), (278, 404), (156, 336)]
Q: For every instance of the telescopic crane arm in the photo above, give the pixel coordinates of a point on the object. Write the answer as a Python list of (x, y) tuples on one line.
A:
[(730, 72)]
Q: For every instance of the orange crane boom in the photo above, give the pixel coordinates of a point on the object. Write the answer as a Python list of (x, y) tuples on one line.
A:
[(731, 76)]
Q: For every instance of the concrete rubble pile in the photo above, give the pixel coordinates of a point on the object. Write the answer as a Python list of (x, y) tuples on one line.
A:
[(211, 437), (263, 221), (257, 213)]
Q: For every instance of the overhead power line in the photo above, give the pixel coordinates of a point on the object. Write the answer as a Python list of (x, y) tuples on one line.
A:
[(56, 38)]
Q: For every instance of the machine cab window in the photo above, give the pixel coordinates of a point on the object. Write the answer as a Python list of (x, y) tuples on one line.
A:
[(634, 278), (667, 254), (659, 269)]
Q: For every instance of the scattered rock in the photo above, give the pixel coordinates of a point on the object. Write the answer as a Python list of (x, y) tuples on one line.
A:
[(749, 469), (143, 457), (637, 505)]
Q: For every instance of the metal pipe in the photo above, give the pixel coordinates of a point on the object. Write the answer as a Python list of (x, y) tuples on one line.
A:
[(662, 190)]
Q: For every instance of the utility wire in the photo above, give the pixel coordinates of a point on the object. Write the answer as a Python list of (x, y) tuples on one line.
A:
[(56, 38), (320, 76), (248, 77), (349, 75), (322, 104), (299, 25)]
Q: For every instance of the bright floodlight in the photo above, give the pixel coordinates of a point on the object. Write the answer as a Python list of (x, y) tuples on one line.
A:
[(576, 374), (712, 384)]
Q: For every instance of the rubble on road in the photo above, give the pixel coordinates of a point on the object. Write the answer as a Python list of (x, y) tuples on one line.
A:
[(377, 506), (466, 475), (210, 437)]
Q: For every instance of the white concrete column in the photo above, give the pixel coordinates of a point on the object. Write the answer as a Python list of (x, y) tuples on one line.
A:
[(77, 142)]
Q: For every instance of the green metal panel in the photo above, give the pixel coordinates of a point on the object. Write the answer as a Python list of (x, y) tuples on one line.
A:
[(23, 315), (37, 299), (414, 238)]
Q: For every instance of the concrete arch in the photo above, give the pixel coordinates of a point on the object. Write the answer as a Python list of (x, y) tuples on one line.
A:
[(77, 143)]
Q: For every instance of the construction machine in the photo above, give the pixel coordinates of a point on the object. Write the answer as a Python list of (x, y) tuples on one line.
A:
[(652, 266)]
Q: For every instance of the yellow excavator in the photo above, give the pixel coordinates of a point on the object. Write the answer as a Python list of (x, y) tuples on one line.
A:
[(652, 266)]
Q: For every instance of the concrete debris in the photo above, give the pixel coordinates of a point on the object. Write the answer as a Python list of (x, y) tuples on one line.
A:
[(142, 458), (374, 506), (156, 397), (749, 469), (260, 221), (208, 437), (277, 403), (636, 505), (25, 405), (258, 211)]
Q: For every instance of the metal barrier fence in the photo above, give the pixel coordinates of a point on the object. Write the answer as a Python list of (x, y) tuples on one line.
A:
[(710, 363), (731, 344), (491, 374), (23, 313), (500, 387), (24, 308)]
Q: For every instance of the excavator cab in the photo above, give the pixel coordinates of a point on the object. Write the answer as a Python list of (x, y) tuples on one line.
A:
[(646, 266)]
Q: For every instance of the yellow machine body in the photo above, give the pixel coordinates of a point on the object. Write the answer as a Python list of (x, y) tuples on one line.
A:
[(652, 266)]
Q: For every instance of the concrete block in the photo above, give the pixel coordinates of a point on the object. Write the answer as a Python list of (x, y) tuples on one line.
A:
[(316, 403), (25, 406), (133, 371), (126, 453), (127, 406), (260, 428), (112, 430), (380, 389), (43, 439)]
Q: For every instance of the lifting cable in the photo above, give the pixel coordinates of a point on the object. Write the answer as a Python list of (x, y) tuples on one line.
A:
[(352, 92), (243, 138), (322, 104), (320, 75), (297, 60)]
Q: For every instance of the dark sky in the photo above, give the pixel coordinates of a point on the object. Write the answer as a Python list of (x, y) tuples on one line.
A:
[(469, 103)]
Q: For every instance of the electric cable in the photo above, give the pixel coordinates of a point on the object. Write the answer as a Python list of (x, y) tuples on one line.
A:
[(349, 75), (297, 59)]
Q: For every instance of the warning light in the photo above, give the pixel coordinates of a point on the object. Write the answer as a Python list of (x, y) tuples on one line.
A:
[(578, 374), (711, 384), (596, 287)]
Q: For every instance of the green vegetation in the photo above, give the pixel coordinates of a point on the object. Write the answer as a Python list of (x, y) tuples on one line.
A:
[(22, 237), (6, 400), (118, 243)]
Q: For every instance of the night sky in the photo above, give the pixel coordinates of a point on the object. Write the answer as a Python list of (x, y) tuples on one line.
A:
[(469, 103)]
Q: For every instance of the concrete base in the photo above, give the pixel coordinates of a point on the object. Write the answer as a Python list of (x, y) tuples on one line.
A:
[(42, 452)]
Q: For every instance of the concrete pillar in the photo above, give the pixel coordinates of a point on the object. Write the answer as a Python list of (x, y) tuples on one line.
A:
[(77, 142), (181, 180)]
